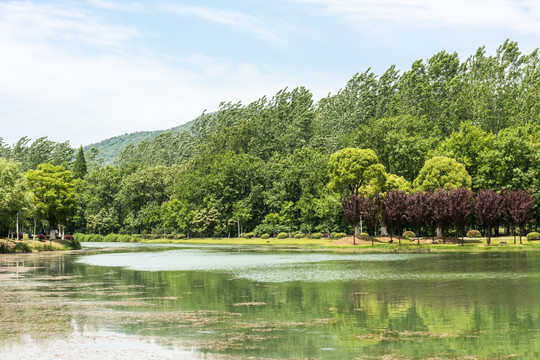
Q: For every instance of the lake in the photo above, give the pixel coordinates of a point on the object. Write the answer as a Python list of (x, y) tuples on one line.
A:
[(233, 302)]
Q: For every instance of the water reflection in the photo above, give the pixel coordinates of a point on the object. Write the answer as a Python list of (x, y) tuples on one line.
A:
[(295, 305)]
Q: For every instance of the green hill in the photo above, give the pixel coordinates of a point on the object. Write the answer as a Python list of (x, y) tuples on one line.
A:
[(110, 148)]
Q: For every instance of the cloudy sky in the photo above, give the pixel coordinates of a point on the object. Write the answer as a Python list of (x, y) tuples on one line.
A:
[(84, 71)]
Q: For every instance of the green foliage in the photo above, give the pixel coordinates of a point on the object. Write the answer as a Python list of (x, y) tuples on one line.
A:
[(394, 182), (317, 235), (533, 236), (282, 235), (14, 195), (53, 192), (79, 168), (338, 235), (356, 170), (299, 236), (474, 233), (22, 247), (249, 235), (265, 236), (74, 244), (409, 234), (442, 172)]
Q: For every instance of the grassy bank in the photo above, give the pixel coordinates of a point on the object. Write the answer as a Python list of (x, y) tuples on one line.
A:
[(26, 246), (381, 244)]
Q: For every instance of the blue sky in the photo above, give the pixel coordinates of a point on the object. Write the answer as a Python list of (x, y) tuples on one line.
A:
[(87, 70)]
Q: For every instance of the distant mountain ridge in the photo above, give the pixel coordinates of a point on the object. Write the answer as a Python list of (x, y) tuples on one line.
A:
[(110, 148)]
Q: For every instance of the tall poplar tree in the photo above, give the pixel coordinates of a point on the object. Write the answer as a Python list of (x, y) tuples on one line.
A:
[(79, 165)]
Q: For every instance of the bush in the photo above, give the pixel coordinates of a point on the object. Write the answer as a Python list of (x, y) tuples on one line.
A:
[(171, 236), (180, 236), (533, 236), (282, 235), (111, 238), (40, 237), (68, 237), (316, 235), (265, 236), (249, 235), (4, 247), (473, 234), (409, 234), (72, 243), (22, 247), (299, 236), (338, 235)]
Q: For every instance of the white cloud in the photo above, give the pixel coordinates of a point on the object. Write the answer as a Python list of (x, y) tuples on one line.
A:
[(523, 16), (50, 89), (235, 19)]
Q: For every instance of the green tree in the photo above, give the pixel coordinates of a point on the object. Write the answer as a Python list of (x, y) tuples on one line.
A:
[(356, 170), (14, 195), (53, 194), (442, 172), (79, 165)]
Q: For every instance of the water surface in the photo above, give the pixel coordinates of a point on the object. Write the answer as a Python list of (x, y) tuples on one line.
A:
[(232, 302)]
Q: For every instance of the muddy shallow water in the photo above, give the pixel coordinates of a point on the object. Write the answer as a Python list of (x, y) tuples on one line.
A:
[(176, 302)]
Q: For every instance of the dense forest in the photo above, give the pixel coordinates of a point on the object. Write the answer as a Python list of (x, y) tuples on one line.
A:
[(264, 166)]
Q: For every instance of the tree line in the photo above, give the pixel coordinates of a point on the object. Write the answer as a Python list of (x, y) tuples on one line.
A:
[(268, 166)]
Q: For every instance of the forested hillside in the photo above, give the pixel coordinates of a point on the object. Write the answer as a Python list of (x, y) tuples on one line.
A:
[(109, 149), (264, 166)]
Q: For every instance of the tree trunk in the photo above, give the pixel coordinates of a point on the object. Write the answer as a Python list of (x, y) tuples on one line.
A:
[(239, 234), (439, 232), (356, 230), (384, 229), (17, 227), (52, 232)]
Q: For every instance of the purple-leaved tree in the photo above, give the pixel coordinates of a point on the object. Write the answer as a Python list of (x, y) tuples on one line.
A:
[(461, 206), (418, 210), (440, 211), (488, 207), (351, 208), (394, 206), (370, 209), (519, 204)]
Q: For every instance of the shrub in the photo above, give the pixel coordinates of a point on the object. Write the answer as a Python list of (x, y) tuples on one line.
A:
[(265, 236), (249, 235), (171, 236), (533, 236), (68, 237), (338, 235), (299, 236), (4, 248), (409, 234), (72, 243), (111, 238), (282, 235), (20, 236), (316, 235), (40, 237), (180, 236), (473, 233), (22, 247), (363, 234)]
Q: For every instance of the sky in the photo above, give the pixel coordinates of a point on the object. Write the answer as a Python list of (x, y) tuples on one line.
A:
[(88, 70)]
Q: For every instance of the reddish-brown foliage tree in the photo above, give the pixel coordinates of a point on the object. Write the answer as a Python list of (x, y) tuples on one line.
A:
[(418, 210), (488, 207), (440, 210), (394, 207), (519, 205), (461, 206), (370, 209), (351, 208)]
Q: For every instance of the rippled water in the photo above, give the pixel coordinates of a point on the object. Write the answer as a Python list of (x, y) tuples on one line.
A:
[(233, 301)]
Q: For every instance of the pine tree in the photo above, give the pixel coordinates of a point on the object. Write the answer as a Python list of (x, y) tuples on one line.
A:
[(79, 165)]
